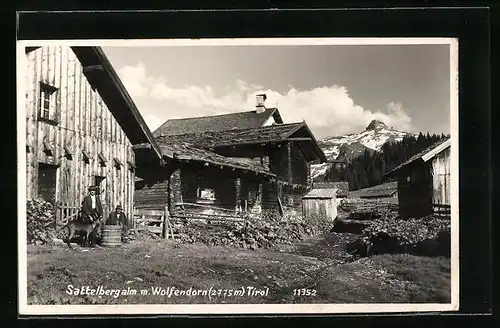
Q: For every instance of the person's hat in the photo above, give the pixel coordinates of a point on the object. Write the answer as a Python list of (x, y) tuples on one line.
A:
[(119, 207), (94, 188)]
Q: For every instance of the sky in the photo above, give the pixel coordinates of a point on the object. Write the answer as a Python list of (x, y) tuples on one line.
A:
[(336, 89)]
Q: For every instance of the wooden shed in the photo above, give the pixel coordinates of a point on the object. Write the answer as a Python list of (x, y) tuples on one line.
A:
[(424, 182), (320, 203)]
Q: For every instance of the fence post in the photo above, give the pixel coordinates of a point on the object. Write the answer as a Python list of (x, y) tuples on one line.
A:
[(165, 223), (56, 215)]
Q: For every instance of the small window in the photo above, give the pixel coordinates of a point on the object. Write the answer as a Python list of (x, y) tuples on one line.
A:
[(206, 195), (46, 110)]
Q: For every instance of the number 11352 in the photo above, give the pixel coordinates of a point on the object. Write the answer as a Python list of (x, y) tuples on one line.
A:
[(304, 292)]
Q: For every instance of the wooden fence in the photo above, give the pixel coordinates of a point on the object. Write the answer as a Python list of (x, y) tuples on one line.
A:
[(365, 205), (64, 213), (160, 221), (207, 212), (155, 221), (67, 212)]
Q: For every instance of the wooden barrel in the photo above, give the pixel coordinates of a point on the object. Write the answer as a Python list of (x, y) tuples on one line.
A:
[(111, 235)]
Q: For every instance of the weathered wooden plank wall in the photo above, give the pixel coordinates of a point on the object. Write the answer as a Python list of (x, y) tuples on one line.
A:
[(153, 191), (441, 178), (299, 166), (82, 122), (317, 208)]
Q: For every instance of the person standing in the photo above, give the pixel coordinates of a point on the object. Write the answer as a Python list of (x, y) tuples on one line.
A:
[(92, 205), (118, 217)]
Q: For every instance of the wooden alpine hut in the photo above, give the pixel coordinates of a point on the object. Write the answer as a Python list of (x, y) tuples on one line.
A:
[(82, 129)]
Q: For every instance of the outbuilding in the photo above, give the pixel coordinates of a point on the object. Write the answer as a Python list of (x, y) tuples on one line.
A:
[(320, 203), (424, 182)]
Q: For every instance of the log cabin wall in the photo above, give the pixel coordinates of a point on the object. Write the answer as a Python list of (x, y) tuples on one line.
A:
[(415, 190), (299, 165), (278, 163), (184, 182), (224, 187), (151, 192), (78, 122), (289, 164)]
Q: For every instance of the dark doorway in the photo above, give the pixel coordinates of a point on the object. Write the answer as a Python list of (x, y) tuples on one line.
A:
[(47, 174)]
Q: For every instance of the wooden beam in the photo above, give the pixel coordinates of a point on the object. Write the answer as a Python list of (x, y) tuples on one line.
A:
[(168, 153), (118, 162), (131, 164), (47, 145), (68, 151), (92, 68), (299, 139), (102, 159), (289, 161), (142, 146), (86, 156), (237, 187)]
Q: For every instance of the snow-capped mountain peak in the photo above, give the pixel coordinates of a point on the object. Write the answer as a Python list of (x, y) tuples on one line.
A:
[(349, 146), (376, 125)]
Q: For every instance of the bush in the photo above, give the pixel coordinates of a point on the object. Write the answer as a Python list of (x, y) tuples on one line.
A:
[(428, 236), (40, 222)]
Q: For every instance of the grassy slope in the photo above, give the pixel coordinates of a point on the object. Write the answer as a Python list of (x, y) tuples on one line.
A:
[(322, 265)]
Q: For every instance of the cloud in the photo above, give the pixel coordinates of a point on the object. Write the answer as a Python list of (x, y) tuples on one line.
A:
[(328, 110), (135, 80)]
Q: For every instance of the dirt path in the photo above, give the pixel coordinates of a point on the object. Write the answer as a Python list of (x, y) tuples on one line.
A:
[(323, 265)]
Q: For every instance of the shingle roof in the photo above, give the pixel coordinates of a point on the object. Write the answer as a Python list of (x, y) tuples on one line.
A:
[(341, 186), (271, 133), (262, 135), (427, 151), (182, 151), (321, 193), (382, 190), (239, 120)]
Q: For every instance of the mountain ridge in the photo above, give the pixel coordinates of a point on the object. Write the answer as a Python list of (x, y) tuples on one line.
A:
[(348, 146)]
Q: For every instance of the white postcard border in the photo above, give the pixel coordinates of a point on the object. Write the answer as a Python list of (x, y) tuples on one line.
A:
[(169, 309)]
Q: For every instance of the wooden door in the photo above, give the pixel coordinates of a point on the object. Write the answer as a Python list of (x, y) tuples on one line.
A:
[(47, 182)]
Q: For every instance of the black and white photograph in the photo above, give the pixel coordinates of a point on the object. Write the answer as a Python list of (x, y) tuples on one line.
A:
[(273, 175)]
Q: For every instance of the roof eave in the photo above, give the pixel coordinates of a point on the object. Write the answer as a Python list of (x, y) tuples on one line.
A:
[(277, 116), (319, 152), (98, 54), (424, 157), (171, 155), (438, 149)]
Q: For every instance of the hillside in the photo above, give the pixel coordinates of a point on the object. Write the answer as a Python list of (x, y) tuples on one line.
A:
[(350, 146)]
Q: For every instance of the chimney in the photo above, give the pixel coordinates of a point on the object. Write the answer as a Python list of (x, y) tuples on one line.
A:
[(260, 108)]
